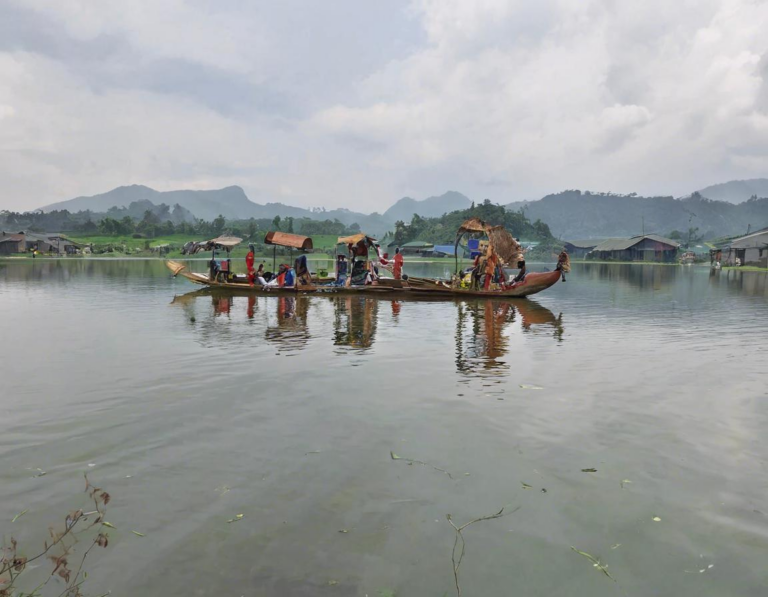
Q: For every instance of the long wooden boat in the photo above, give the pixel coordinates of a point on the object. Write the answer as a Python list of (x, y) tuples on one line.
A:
[(533, 283)]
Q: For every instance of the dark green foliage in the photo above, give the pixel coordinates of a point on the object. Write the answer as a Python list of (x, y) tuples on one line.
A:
[(442, 230)]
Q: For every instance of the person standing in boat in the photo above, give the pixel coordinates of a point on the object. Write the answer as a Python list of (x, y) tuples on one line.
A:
[(249, 265), (397, 265), (341, 270)]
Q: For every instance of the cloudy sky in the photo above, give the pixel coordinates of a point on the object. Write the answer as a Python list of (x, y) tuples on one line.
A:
[(350, 103)]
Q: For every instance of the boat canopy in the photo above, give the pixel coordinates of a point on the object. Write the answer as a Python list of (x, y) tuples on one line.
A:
[(355, 238), (284, 239)]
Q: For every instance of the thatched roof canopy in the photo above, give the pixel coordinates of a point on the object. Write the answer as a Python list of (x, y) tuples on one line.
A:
[(473, 225)]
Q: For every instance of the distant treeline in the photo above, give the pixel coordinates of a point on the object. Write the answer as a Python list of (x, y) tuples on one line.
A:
[(442, 230), (162, 220)]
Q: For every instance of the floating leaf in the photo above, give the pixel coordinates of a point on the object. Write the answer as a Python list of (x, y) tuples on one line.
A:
[(530, 387), (19, 515), (394, 456), (656, 519), (526, 486), (616, 546), (343, 530), (236, 518), (333, 583), (595, 562), (137, 533), (589, 470), (625, 482), (108, 524)]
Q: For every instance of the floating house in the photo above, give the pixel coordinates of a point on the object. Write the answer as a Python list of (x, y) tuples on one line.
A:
[(646, 247), (751, 249), (580, 248)]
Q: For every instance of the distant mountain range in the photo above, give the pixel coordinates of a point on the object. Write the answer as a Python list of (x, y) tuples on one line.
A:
[(737, 191), (575, 215), (718, 210), (431, 207), (233, 204)]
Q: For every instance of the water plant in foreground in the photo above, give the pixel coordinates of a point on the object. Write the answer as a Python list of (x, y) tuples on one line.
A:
[(59, 551)]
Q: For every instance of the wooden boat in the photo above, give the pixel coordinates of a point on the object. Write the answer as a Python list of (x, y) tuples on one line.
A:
[(533, 283), (503, 248)]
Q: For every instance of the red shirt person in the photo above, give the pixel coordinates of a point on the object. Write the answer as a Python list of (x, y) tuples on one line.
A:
[(397, 270), (249, 264)]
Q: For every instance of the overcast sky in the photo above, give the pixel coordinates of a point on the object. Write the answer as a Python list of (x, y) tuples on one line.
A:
[(356, 103)]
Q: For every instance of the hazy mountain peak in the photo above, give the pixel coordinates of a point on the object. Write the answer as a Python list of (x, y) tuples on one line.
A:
[(736, 191), (431, 207)]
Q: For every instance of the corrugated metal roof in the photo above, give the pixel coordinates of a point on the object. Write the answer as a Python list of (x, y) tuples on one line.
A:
[(755, 240), (583, 244), (418, 244), (616, 244), (622, 244), (659, 239)]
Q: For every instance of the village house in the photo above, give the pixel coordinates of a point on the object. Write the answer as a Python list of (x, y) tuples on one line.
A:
[(417, 247), (751, 249), (580, 248), (25, 242), (646, 247)]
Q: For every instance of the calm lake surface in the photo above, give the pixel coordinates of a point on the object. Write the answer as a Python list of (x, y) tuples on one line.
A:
[(191, 408)]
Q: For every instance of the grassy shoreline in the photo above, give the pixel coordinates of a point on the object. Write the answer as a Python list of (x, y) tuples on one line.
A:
[(322, 257)]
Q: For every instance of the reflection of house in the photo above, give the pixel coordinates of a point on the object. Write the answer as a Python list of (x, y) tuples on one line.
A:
[(647, 247), (21, 242), (417, 247), (579, 248), (749, 250)]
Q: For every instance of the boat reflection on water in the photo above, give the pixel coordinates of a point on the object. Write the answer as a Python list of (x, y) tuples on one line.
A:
[(355, 321), (484, 328), (482, 331), (290, 329)]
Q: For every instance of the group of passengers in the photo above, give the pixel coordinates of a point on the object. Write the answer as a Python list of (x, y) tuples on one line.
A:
[(363, 271)]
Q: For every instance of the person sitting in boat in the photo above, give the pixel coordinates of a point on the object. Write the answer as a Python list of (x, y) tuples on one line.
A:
[(360, 272), (278, 281), (521, 274), (213, 266), (303, 275), (289, 277)]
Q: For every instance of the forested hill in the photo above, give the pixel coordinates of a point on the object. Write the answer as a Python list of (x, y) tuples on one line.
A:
[(577, 215), (442, 230)]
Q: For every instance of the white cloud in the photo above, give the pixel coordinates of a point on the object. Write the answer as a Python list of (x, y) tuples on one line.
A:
[(505, 99)]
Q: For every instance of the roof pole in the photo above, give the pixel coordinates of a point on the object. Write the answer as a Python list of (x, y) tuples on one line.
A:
[(274, 259)]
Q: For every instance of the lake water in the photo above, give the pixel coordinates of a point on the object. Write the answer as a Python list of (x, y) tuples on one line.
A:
[(191, 408)]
